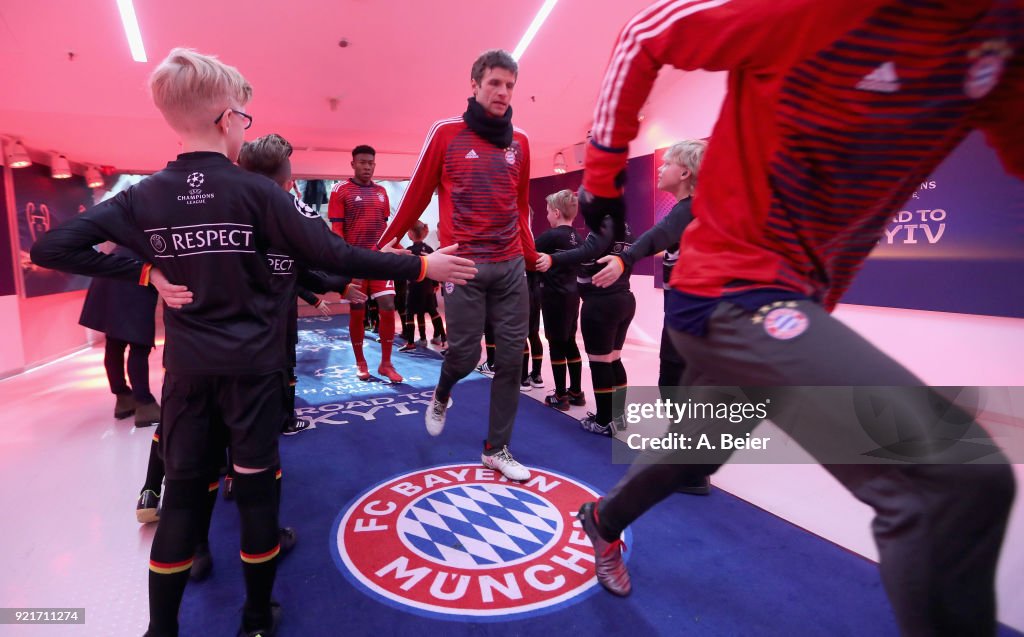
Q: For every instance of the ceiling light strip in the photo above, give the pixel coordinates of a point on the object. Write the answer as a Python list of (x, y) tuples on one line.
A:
[(538, 20), (131, 29)]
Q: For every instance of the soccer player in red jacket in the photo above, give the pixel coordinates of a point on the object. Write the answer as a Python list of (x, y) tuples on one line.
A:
[(835, 112), (358, 210), (480, 165)]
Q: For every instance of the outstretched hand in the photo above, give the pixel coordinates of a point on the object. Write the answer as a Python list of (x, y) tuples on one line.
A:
[(394, 248), (543, 262), (443, 265), (354, 294), (174, 296), (323, 306), (610, 273)]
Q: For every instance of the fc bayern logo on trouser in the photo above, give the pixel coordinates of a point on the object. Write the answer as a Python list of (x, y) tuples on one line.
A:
[(461, 542)]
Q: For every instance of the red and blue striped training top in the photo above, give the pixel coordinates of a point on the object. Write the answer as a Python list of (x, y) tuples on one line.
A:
[(359, 213)]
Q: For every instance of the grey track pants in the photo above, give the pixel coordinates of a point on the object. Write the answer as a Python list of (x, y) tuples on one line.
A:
[(498, 296), (938, 527)]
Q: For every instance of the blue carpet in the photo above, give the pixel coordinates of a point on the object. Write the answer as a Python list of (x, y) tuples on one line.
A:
[(404, 534)]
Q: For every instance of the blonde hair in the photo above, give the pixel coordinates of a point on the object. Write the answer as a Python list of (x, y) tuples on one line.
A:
[(689, 154), (564, 201), (190, 88)]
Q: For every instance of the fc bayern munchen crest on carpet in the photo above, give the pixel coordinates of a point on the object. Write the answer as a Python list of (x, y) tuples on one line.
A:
[(461, 542)]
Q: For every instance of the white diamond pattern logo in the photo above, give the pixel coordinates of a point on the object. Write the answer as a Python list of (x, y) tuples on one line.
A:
[(479, 525)]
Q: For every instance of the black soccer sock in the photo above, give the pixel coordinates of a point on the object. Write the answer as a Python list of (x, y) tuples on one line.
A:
[(421, 324), (439, 332), (574, 363), (256, 495), (536, 353), (558, 366), (603, 378), (620, 386), (170, 557), (526, 364), (408, 327)]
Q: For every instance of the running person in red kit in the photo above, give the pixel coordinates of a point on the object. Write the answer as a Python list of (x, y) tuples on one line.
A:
[(835, 112), (358, 210)]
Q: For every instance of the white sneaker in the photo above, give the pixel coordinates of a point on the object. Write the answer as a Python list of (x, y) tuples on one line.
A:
[(485, 369), (436, 413), (506, 464)]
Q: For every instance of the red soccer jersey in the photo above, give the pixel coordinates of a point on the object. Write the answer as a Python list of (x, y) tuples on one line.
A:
[(835, 113), (483, 194), (359, 213)]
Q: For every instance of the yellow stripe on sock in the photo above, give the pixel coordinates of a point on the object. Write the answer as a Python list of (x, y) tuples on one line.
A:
[(163, 568), (261, 557)]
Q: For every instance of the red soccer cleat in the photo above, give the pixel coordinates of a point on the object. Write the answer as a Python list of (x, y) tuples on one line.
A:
[(387, 370), (609, 566), (361, 370)]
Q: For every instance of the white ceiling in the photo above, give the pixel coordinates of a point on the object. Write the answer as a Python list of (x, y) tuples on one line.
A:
[(407, 66)]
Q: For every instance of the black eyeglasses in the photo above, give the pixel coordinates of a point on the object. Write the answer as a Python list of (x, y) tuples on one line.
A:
[(248, 118)]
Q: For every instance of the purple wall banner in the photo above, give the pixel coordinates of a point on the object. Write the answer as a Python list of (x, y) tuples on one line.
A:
[(42, 203), (956, 246), (639, 203)]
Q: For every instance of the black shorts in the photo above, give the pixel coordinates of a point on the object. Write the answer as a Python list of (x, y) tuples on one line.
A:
[(561, 315), (605, 319), (252, 408)]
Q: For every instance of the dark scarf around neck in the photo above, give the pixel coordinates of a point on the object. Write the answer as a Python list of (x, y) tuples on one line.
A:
[(496, 130)]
